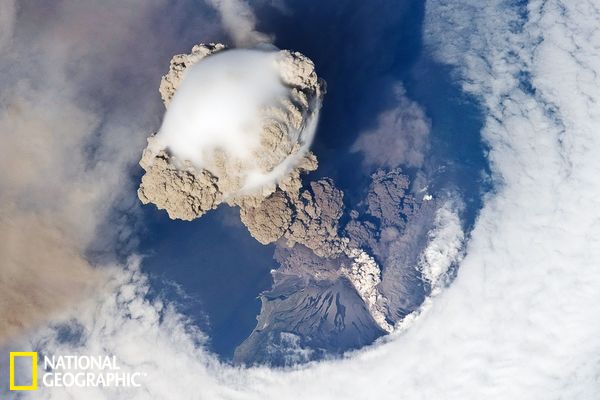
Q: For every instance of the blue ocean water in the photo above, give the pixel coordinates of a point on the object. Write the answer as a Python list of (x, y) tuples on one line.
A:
[(212, 267)]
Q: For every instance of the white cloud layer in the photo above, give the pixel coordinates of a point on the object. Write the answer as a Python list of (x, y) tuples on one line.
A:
[(521, 319)]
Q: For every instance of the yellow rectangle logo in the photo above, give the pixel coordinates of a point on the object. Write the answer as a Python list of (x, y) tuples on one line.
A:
[(34, 369)]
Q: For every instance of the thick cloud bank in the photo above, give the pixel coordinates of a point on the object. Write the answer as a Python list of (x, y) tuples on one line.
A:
[(238, 126)]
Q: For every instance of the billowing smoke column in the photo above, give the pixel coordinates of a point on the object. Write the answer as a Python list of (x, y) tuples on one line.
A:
[(238, 127)]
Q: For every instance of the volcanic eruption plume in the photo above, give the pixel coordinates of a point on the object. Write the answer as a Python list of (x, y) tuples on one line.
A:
[(238, 128)]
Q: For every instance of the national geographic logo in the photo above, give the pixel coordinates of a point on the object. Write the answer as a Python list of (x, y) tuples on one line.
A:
[(69, 371), (33, 356)]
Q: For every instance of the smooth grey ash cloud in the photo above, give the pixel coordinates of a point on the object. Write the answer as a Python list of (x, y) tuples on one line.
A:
[(401, 136), (8, 10)]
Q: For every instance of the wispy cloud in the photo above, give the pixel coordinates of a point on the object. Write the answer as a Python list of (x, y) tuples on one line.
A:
[(239, 21)]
